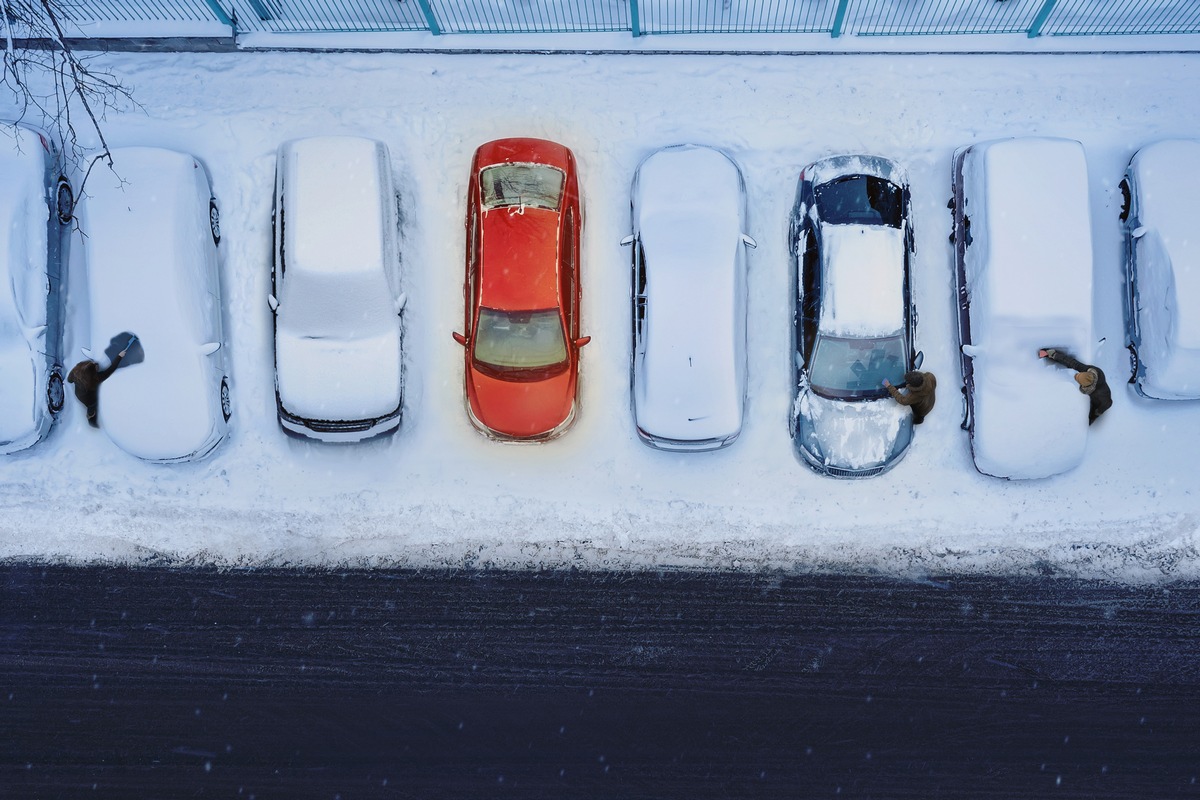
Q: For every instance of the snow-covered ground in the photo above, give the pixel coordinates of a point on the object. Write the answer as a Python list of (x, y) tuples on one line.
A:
[(440, 494)]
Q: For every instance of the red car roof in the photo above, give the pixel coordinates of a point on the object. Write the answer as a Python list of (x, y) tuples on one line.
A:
[(519, 259)]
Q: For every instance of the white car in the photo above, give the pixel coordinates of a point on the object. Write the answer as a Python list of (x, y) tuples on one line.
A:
[(151, 230), (336, 290), (689, 299), (1023, 274), (35, 208), (1162, 270)]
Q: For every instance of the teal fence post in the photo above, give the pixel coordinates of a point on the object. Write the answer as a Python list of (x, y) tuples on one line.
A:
[(635, 21), (430, 19), (260, 9), (839, 19), (219, 13), (1035, 30)]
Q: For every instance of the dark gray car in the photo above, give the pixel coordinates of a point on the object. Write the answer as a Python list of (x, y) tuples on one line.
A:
[(854, 321)]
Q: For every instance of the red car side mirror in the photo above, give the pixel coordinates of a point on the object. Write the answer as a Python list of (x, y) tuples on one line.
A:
[(458, 337), (582, 341)]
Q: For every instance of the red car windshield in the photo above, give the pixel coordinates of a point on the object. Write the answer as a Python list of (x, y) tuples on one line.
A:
[(520, 185), (520, 345)]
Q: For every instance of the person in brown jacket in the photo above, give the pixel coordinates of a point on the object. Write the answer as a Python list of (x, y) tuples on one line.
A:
[(920, 397), (1090, 378), (87, 377)]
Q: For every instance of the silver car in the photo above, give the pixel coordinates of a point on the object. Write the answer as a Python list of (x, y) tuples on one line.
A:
[(854, 321), (36, 205), (689, 299)]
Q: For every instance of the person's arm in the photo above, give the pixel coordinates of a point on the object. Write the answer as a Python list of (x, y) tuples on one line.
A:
[(1066, 359), (116, 362), (895, 393)]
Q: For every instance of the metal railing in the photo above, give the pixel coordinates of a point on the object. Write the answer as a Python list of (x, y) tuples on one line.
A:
[(643, 17)]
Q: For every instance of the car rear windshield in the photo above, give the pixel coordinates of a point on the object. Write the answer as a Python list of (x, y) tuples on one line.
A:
[(860, 200), (854, 369), (536, 185), (518, 345)]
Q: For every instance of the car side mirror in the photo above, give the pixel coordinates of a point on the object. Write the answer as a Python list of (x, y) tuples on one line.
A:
[(87, 353), (582, 341), (970, 350), (918, 359), (749, 242), (401, 302), (272, 303), (1140, 231), (458, 337), (209, 348), (628, 240)]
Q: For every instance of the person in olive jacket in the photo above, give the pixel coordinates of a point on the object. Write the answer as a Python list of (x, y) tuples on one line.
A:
[(1090, 379), (920, 396), (87, 377)]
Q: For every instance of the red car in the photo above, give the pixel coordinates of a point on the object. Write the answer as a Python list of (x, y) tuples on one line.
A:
[(522, 290)]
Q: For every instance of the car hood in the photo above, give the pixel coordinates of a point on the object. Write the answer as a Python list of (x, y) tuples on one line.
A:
[(340, 379), (852, 436), (520, 409)]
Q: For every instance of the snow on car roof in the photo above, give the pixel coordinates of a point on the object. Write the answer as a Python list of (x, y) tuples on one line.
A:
[(1166, 175), (863, 290), (23, 217), (689, 202), (1034, 231), (334, 191), (150, 259)]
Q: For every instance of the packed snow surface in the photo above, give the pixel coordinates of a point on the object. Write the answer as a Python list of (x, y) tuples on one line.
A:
[(438, 493), (1166, 177)]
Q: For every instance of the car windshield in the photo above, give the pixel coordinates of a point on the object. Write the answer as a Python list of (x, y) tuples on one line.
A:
[(860, 200), (853, 368), (520, 345), (507, 185)]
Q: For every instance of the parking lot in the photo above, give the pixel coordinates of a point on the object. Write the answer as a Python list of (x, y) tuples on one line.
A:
[(439, 494)]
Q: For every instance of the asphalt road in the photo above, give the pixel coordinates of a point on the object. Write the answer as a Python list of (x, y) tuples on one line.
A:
[(271, 684)]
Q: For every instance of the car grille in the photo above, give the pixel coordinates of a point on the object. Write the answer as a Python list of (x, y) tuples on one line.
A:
[(853, 473)]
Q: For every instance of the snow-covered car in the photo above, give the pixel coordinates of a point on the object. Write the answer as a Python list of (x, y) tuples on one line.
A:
[(151, 229), (1162, 270), (689, 299), (1023, 280), (36, 205), (854, 319), (522, 290), (336, 290)]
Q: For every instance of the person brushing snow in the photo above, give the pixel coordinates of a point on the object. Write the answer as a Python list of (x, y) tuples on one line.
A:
[(1090, 379), (920, 395), (87, 377)]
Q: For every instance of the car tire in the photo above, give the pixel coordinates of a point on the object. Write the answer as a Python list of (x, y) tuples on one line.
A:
[(64, 201), (226, 403), (214, 221), (56, 393), (1133, 364), (1126, 200)]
